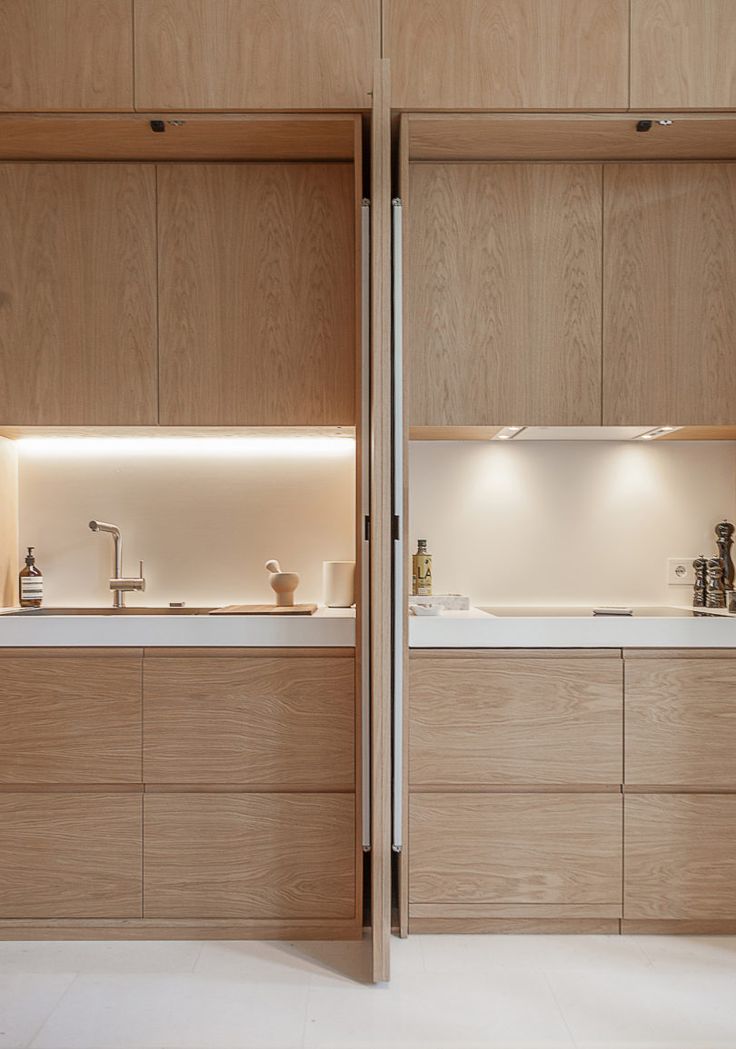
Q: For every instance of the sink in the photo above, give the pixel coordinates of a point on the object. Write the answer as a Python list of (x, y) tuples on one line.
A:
[(108, 611)]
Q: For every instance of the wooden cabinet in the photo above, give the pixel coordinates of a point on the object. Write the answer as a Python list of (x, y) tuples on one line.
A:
[(472, 852), (66, 55), (682, 54), (257, 294), (251, 54), (680, 857), (503, 721), (508, 54), (669, 294), (681, 722), (72, 719), (262, 722), (77, 294), (502, 316), (255, 856), (70, 855)]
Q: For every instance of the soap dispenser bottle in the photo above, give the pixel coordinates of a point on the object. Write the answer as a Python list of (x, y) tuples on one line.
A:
[(30, 583)]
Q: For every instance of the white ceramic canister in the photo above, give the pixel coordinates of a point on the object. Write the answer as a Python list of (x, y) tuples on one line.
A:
[(338, 583)]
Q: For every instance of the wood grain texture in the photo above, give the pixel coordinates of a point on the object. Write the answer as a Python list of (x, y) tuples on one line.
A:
[(70, 721), (160, 929), (681, 722), (514, 926), (194, 136), (540, 848), (560, 136), (70, 855), (278, 721), (515, 721), (257, 294), (508, 54), (682, 53), (8, 524), (502, 281), (268, 856), (77, 294), (669, 294), (680, 857), (255, 54), (66, 55)]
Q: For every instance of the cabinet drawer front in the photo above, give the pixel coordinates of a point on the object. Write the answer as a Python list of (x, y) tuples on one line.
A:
[(74, 721), (680, 856), (284, 723), (267, 856), (515, 721), (681, 722), (70, 855), (515, 848)]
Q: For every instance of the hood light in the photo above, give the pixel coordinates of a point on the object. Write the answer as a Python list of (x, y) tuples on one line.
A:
[(660, 431), (508, 432)]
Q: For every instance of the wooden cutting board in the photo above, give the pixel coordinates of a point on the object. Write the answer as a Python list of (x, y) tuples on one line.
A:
[(265, 610)]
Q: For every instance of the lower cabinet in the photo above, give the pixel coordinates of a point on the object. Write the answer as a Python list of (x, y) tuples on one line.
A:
[(515, 813), (262, 856), (68, 855), (159, 793)]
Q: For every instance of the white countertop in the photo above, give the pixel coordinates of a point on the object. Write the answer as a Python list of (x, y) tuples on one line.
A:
[(327, 628), (476, 629)]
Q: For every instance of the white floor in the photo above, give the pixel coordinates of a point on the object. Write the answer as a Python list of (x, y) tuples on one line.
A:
[(473, 992)]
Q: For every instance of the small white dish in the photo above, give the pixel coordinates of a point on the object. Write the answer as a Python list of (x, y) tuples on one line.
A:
[(426, 610)]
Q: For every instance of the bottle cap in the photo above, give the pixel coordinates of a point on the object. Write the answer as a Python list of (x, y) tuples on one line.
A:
[(30, 559)]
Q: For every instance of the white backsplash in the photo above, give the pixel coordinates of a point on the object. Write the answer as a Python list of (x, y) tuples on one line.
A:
[(203, 525), (564, 523)]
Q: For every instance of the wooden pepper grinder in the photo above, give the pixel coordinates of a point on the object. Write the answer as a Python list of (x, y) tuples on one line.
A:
[(715, 596), (700, 565), (724, 537)]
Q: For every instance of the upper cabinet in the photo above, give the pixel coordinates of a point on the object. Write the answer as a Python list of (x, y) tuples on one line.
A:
[(255, 54), (77, 294), (503, 279), (682, 54), (257, 294), (669, 294), (66, 55), (508, 54)]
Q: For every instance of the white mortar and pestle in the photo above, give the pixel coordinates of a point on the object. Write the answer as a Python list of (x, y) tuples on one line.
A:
[(283, 584)]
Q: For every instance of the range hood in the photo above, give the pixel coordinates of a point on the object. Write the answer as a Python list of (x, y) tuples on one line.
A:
[(585, 433)]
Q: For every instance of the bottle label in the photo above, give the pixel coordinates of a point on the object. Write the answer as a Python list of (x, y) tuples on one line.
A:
[(422, 575), (31, 588)]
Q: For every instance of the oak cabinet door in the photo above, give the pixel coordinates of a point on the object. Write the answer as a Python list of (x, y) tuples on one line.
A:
[(262, 722), (669, 294), (66, 55), (490, 722), (70, 855), (257, 294), (72, 720), (503, 294), (77, 294), (552, 850), (682, 54), (681, 722), (508, 54), (267, 856), (255, 54), (680, 856)]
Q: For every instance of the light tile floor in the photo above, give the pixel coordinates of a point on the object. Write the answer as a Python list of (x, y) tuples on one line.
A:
[(449, 992)]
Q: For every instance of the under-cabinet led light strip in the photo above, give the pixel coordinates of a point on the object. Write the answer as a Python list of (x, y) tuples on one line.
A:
[(338, 447)]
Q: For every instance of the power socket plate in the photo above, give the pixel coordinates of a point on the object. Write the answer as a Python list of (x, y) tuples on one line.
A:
[(680, 571)]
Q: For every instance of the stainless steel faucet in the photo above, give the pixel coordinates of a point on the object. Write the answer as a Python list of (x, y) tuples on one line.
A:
[(119, 584)]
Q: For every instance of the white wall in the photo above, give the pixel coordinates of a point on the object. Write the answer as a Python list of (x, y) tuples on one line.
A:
[(203, 523), (561, 523)]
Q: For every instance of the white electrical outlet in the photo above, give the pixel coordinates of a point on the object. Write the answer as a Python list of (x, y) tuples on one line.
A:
[(680, 571)]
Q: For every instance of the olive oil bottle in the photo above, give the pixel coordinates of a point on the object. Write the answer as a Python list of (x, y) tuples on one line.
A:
[(421, 571), (30, 583)]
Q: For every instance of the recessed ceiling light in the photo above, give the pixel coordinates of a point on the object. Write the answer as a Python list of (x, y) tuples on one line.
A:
[(660, 431)]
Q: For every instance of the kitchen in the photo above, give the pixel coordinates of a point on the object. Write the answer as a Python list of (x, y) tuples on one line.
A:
[(526, 360)]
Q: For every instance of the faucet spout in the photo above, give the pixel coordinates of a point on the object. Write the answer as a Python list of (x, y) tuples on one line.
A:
[(118, 584)]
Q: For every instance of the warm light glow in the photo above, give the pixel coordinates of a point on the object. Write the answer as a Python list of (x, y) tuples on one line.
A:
[(186, 447)]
